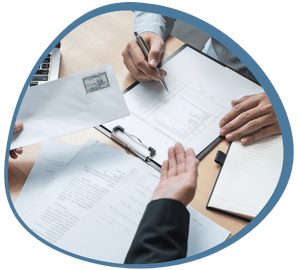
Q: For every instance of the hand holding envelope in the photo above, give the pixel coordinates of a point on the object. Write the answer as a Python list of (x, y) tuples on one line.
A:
[(73, 103)]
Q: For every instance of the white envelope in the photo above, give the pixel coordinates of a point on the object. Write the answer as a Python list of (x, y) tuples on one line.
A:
[(73, 103)]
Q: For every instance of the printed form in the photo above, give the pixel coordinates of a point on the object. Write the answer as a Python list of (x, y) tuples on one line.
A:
[(93, 206), (160, 119), (190, 112)]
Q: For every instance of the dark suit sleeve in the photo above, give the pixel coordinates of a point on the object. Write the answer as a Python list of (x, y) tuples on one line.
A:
[(162, 234)]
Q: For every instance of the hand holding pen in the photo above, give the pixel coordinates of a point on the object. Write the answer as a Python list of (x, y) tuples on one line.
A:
[(145, 50), (134, 59)]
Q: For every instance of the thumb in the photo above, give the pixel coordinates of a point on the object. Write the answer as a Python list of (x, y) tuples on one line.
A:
[(155, 52)]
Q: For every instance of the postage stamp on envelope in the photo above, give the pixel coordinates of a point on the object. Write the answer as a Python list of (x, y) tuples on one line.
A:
[(96, 82)]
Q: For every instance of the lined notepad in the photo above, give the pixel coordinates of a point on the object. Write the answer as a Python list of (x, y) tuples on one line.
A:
[(248, 177)]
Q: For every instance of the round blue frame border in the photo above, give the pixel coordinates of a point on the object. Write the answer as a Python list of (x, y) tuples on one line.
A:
[(250, 63)]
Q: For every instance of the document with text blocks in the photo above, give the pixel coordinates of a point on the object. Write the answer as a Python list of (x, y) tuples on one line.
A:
[(200, 94), (93, 205)]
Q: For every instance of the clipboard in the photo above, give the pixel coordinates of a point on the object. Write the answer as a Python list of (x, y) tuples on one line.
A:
[(134, 143)]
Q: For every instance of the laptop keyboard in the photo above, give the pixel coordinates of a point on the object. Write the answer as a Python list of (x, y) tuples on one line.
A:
[(42, 74)]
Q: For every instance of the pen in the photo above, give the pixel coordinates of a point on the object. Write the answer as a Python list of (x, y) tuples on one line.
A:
[(144, 48)]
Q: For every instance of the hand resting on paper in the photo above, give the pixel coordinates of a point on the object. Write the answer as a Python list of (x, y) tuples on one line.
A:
[(18, 151), (135, 61), (178, 176), (252, 118)]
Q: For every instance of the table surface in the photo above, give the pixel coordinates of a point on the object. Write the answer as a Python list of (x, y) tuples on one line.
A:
[(97, 42)]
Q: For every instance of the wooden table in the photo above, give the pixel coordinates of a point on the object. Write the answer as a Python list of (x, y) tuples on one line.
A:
[(97, 42)]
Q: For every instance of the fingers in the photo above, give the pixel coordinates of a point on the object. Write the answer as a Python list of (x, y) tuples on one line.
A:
[(179, 161), (240, 120), (18, 151), (191, 161), (18, 126), (190, 176), (240, 106), (180, 158), (250, 127), (249, 115), (192, 164), (15, 152), (136, 62), (178, 175), (164, 170), (172, 162), (141, 65), (237, 101), (157, 47), (262, 133)]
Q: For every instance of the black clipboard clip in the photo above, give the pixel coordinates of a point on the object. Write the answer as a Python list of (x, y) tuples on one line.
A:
[(220, 157), (129, 146)]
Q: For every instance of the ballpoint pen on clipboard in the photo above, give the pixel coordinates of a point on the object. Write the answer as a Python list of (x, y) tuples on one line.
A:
[(144, 48)]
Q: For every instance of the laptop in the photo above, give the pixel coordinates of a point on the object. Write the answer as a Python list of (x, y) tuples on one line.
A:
[(49, 69)]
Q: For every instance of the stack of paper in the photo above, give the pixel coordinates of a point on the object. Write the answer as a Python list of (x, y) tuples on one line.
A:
[(89, 201)]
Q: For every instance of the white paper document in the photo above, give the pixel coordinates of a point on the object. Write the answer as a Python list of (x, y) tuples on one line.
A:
[(116, 224), (249, 177), (160, 119), (200, 94), (91, 175), (70, 104), (93, 207), (52, 159)]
